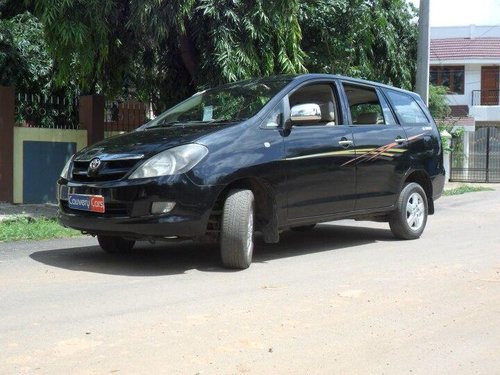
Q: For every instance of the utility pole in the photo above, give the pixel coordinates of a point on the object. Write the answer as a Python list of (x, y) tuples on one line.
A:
[(422, 84)]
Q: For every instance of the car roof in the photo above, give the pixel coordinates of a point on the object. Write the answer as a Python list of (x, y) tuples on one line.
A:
[(300, 78), (318, 76)]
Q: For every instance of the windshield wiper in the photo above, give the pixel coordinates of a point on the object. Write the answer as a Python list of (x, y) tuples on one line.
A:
[(165, 123), (222, 121), (195, 122)]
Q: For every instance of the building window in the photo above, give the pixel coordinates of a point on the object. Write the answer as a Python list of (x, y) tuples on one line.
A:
[(452, 77)]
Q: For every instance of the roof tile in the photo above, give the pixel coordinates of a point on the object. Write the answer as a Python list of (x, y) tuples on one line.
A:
[(465, 48)]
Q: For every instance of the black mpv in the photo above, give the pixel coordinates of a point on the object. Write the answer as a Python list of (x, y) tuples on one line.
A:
[(263, 155)]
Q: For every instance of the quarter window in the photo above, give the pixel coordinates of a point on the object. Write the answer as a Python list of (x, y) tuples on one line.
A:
[(407, 109), (451, 77), (274, 118)]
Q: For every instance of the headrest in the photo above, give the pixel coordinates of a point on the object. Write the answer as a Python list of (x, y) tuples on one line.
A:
[(367, 118)]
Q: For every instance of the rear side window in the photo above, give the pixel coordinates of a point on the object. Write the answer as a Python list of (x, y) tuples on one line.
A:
[(407, 108), (366, 107)]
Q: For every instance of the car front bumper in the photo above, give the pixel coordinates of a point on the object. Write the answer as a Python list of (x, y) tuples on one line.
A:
[(128, 208)]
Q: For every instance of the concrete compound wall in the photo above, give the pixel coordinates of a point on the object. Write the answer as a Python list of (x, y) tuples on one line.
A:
[(31, 158), (39, 156)]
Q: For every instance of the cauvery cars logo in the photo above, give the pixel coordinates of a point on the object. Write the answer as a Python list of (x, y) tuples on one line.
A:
[(84, 202)]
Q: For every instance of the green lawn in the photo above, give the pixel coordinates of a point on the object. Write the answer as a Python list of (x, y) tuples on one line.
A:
[(23, 228), (466, 189)]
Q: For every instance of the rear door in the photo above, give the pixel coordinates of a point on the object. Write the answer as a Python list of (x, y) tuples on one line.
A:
[(381, 158)]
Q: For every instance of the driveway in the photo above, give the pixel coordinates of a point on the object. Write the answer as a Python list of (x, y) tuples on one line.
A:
[(345, 298)]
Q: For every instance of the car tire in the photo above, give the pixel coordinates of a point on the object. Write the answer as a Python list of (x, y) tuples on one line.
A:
[(237, 229), (111, 244), (408, 220), (303, 228)]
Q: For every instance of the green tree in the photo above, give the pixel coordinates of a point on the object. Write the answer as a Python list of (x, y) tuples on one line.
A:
[(20, 38), (438, 105), (441, 111), (26, 64), (86, 40), (11, 8), (13, 68), (24, 59), (362, 38), (167, 49)]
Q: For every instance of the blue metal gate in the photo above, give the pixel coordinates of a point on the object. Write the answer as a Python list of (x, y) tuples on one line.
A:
[(43, 161)]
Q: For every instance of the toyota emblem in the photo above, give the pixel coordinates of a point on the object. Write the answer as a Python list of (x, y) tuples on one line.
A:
[(94, 164)]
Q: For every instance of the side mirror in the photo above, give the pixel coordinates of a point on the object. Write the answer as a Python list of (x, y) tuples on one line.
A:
[(305, 112)]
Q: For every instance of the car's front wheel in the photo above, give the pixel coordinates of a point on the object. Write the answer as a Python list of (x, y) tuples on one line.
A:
[(237, 229), (111, 244), (408, 220)]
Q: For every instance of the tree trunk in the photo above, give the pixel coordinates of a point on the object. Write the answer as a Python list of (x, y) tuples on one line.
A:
[(189, 56)]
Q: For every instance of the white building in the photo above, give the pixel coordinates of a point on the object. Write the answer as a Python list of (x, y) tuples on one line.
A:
[(466, 59)]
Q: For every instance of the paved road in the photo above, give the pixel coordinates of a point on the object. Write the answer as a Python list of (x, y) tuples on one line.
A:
[(345, 298)]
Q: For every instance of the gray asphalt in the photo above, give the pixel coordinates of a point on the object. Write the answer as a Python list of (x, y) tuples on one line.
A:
[(345, 298)]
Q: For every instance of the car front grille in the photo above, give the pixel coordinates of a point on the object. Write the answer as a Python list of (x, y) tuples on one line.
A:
[(110, 170)]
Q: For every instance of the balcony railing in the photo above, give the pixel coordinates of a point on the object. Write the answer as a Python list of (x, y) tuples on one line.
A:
[(485, 97)]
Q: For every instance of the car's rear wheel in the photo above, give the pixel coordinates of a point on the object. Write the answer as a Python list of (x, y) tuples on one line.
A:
[(237, 229), (111, 244), (408, 220)]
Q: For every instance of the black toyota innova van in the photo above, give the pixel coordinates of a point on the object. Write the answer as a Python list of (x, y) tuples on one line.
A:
[(263, 155)]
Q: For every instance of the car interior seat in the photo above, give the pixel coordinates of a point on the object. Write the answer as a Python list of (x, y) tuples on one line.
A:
[(367, 118), (328, 113)]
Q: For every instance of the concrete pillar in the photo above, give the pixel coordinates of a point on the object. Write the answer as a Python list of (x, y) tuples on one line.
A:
[(7, 121), (92, 117), (423, 46)]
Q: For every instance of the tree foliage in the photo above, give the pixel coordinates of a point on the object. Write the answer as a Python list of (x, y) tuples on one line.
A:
[(441, 111), (86, 39), (24, 58), (26, 63), (167, 49), (362, 38), (438, 105)]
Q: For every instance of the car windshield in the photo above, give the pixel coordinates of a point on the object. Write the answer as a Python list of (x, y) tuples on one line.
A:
[(229, 103)]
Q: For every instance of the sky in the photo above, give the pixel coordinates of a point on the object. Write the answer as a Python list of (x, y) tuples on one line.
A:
[(463, 12)]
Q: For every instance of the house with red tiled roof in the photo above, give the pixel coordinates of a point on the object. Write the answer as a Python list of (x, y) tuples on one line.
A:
[(466, 60)]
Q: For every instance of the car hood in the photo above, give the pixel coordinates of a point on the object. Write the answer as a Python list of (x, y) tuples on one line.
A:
[(143, 143)]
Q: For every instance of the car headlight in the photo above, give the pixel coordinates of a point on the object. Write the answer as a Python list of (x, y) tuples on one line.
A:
[(65, 170), (173, 161)]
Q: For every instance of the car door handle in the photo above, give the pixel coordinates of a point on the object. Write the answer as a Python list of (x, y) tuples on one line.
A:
[(345, 142), (400, 140)]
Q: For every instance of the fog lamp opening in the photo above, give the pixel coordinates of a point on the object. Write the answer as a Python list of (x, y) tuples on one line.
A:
[(162, 207)]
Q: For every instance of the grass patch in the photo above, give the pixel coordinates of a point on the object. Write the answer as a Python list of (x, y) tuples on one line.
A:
[(24, 228), (466, 189)]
